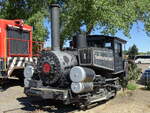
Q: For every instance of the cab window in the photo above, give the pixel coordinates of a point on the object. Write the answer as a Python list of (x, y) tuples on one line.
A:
[(108, 45), (100, 44), (118, 49)]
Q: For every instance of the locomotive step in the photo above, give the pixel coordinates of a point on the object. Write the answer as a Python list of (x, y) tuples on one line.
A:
[(48, 93)]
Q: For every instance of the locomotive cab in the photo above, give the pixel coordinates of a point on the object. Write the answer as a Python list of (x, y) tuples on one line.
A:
[(101, 52)]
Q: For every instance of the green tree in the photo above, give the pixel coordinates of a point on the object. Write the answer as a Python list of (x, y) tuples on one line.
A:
[(148, 53), (31, 11), (107, 15), (132, 52)]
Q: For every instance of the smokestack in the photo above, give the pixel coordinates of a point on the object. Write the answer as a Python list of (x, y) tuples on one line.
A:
[(55, 30)]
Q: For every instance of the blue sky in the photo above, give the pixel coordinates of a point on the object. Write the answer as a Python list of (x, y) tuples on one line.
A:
[(138, 37)]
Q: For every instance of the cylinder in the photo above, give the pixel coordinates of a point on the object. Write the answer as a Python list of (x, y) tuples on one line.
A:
[(27, 82), (55, 31), (81, 87), (82, 74), (81, 41)]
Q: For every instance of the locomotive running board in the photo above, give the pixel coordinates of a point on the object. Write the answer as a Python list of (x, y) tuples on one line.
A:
[(98, 99)]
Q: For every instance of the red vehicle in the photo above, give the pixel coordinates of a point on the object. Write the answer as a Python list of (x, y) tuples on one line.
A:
[(15, 47)]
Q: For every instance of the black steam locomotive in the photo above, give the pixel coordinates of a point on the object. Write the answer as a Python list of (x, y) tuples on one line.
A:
[(86, 72)]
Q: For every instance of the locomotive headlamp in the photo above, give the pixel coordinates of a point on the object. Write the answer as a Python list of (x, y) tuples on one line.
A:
[(28, 71)]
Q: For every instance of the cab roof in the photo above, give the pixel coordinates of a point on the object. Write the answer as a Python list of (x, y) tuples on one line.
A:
[(98, 37)]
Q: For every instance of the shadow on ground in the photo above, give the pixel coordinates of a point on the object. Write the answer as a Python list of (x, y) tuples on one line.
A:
[(144, 88), (143, 84), (36, 104), (11, 83)]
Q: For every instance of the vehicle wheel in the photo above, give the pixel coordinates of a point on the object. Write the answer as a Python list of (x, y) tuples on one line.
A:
[(139, 62)]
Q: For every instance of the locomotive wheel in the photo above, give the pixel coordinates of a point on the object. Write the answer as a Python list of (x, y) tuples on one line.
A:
[(115, 93), (81, 106), (84, 107)]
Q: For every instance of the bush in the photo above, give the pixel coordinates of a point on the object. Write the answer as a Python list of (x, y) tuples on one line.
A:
[(132, 74), (133, 71), (131, 86)]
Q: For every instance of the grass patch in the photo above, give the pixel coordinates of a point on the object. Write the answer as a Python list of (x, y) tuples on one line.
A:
[(131, 86)]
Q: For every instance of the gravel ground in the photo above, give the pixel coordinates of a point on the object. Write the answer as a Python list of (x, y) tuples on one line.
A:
[(13, 100)]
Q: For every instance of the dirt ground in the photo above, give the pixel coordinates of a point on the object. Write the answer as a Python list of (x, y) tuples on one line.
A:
[(130, 102), (13, 100)]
